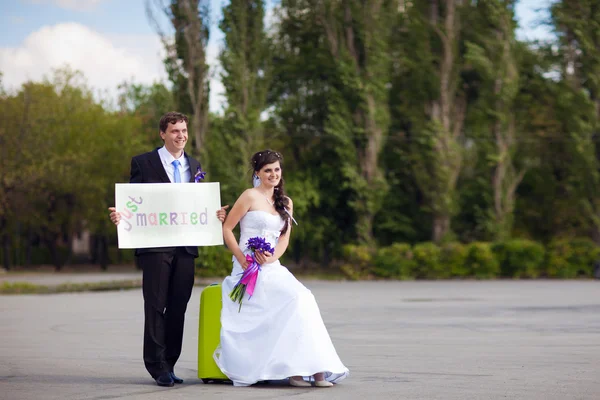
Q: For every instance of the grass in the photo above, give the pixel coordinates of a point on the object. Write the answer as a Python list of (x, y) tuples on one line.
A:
[(30, 288)]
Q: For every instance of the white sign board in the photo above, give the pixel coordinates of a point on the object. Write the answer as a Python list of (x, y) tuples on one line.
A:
[(168, 214)]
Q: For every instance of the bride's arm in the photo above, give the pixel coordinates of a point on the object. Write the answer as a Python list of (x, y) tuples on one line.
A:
[(240, 208), (283, 242)]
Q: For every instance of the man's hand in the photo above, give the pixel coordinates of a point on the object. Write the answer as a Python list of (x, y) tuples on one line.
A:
[(115, 216), (221, 213)]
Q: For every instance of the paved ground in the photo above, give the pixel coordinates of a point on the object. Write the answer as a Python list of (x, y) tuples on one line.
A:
[(401, 340)]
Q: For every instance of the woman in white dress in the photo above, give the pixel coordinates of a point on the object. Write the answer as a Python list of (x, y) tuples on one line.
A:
[(278, 333)]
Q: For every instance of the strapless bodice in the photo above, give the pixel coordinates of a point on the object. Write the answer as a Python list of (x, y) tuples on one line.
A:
[(260, 224)]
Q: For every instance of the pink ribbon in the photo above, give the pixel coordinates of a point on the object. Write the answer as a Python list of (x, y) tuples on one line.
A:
[(250, 274)]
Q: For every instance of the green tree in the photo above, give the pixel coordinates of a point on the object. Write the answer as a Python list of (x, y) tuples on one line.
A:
[(577, 26), (68, 160), (246, 77), (358, 36), (492, 53), (147, 103), (435, 104), (185, 60)]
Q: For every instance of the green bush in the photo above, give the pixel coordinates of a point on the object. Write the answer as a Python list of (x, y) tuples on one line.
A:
[(481, 262), (395, 261), (570, 258), (453, 256), (428, 263), (127, 256), (357, 261), (213, 261), (520, 258), (585, 253)]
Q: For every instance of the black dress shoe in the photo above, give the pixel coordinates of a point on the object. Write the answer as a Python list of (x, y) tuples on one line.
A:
[(165, 380), (175, 378)]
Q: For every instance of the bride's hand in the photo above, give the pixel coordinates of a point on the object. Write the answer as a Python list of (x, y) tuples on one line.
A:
[(263, 258), (244, 263)]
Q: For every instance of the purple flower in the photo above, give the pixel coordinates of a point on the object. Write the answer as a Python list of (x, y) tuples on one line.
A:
[(199, 175), (259, 244)]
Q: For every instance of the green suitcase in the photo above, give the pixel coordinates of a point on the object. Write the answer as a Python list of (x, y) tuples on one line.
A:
[(209, 332)]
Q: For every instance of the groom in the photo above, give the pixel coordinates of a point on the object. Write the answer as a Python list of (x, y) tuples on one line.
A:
[(168, 272)]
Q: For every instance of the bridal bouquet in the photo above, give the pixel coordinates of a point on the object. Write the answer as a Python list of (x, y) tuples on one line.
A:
[(247, 282)]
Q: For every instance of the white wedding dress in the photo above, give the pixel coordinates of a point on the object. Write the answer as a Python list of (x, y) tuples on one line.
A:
[(279, 331)]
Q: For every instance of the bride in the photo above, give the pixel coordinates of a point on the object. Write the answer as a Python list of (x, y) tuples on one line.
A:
[(278, 333)]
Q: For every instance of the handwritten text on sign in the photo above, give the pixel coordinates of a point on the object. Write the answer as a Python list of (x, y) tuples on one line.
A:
[(168, 214)]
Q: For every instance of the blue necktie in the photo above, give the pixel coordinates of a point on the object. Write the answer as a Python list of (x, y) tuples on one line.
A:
[(176, 175)]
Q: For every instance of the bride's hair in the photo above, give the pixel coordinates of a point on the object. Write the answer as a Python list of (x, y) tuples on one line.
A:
[(280, 200)]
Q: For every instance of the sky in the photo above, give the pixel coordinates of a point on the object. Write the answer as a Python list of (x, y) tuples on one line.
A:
[(111, 41)]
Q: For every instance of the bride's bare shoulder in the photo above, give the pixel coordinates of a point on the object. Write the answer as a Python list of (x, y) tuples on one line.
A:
[(251, 193), (248, 193), (249, 197)]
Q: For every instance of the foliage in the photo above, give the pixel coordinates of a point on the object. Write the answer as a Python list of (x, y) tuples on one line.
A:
[(394, 261), (357, 261), (453, 259), (400, 123), (520, 258), (246, 77), (213, 261), (571, 258), (428, 264), (481, 262)]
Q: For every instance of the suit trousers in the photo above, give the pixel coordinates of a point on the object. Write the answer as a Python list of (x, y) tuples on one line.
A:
[(168, 280)]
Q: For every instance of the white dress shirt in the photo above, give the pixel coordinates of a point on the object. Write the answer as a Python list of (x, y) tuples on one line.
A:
[(167, 158)]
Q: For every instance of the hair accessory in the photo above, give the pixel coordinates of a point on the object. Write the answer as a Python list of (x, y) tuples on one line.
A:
[(255, 180)]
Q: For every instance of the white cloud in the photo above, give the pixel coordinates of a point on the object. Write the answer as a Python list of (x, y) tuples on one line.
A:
[(76, 5), (105, 60)]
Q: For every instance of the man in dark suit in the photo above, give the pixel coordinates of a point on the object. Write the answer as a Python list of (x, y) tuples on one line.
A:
[(168, 272)]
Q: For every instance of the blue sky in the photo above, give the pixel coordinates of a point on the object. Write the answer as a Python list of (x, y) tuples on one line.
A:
[(111, 41)]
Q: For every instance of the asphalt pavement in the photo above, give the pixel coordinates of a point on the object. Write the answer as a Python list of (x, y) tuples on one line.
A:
[(401, 340)]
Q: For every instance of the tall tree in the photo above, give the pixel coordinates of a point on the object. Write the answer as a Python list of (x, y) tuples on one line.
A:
[(185, 59), (303, 74), (245, 61), (358, 36), (577, 25), (432, 77), (492, 54)]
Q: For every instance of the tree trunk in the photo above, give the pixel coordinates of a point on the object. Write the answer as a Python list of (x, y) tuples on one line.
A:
[(447, 113), (94, 249), (54, 254), (596, 234), (103, 252), (6, 252), (29, 248), (441, 226), (365, 227)]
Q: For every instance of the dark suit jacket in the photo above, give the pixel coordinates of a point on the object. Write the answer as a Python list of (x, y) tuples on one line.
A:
[(147, 168)]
